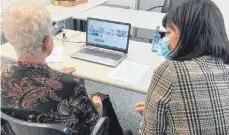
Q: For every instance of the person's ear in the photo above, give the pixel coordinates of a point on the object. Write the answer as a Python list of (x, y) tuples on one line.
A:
[(46, 43)]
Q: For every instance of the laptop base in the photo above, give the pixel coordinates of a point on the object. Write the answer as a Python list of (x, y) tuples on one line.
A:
[(97, 59)]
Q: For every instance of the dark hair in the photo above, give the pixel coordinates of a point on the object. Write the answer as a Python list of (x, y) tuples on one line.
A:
[(202, 31)]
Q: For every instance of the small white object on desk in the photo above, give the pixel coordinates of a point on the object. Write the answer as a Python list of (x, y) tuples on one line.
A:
[(129, 72), (56, 56)]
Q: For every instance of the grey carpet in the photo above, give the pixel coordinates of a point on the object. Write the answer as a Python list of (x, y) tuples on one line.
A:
[(123, 102)]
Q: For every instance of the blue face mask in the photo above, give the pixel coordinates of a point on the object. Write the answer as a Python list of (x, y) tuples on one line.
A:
[(165, 46)]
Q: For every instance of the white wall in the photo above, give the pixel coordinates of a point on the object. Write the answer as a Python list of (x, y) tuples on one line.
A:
[(223, 5), (146, 4)]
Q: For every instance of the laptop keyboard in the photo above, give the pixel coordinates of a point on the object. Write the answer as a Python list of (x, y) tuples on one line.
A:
[(98, 53)]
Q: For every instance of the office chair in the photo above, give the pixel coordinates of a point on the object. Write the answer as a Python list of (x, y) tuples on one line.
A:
[(165, 8), (168, 5), (13, 126), (102, 126)]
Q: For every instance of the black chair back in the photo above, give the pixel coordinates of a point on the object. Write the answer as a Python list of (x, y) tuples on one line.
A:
[(176, 3), (166, 6), (102, 126), (13, 126)]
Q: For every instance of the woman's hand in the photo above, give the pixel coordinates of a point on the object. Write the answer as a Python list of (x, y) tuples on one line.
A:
[(139, 107), (97, 101), (95, 98), (68, 70)]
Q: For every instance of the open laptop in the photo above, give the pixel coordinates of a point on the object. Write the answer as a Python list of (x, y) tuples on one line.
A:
[(107, 42)]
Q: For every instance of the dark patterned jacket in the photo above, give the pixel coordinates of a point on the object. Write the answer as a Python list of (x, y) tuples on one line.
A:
[(34, 92), (188, 98)]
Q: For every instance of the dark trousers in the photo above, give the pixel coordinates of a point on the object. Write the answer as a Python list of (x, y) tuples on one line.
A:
[(108, 111)]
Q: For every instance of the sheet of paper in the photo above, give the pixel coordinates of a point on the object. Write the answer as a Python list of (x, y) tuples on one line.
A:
[(129, 72), (56, 56)]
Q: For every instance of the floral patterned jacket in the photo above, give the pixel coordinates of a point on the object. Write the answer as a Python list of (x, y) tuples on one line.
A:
[(36, 93)]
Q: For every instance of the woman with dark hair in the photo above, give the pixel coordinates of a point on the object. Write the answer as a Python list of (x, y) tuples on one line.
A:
[(189, 93)]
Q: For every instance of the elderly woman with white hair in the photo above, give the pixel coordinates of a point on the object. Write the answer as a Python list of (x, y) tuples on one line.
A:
[(32, 91)]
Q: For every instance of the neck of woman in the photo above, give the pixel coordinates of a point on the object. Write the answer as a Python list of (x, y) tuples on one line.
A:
[(37, 59)]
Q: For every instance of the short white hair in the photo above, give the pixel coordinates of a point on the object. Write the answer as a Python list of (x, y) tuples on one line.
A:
[(25, 26)]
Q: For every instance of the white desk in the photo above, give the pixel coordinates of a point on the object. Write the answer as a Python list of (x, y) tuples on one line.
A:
[(137, 18), (60, 13), (138, 52)]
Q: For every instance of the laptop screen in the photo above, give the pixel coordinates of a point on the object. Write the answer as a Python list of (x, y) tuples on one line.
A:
[(108, 34)]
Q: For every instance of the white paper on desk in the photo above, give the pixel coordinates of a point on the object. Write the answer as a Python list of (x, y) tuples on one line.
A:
[(56, 56), (129, 72)]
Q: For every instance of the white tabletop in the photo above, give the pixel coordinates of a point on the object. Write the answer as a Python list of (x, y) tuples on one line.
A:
[(137, 18), (138, 52), (59, 13)]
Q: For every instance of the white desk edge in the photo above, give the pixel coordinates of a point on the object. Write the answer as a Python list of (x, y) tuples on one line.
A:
[(84, 70)]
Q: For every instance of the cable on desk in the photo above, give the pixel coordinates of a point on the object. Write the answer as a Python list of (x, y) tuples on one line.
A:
[(71, 37), (75, 35), (67, 41)]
